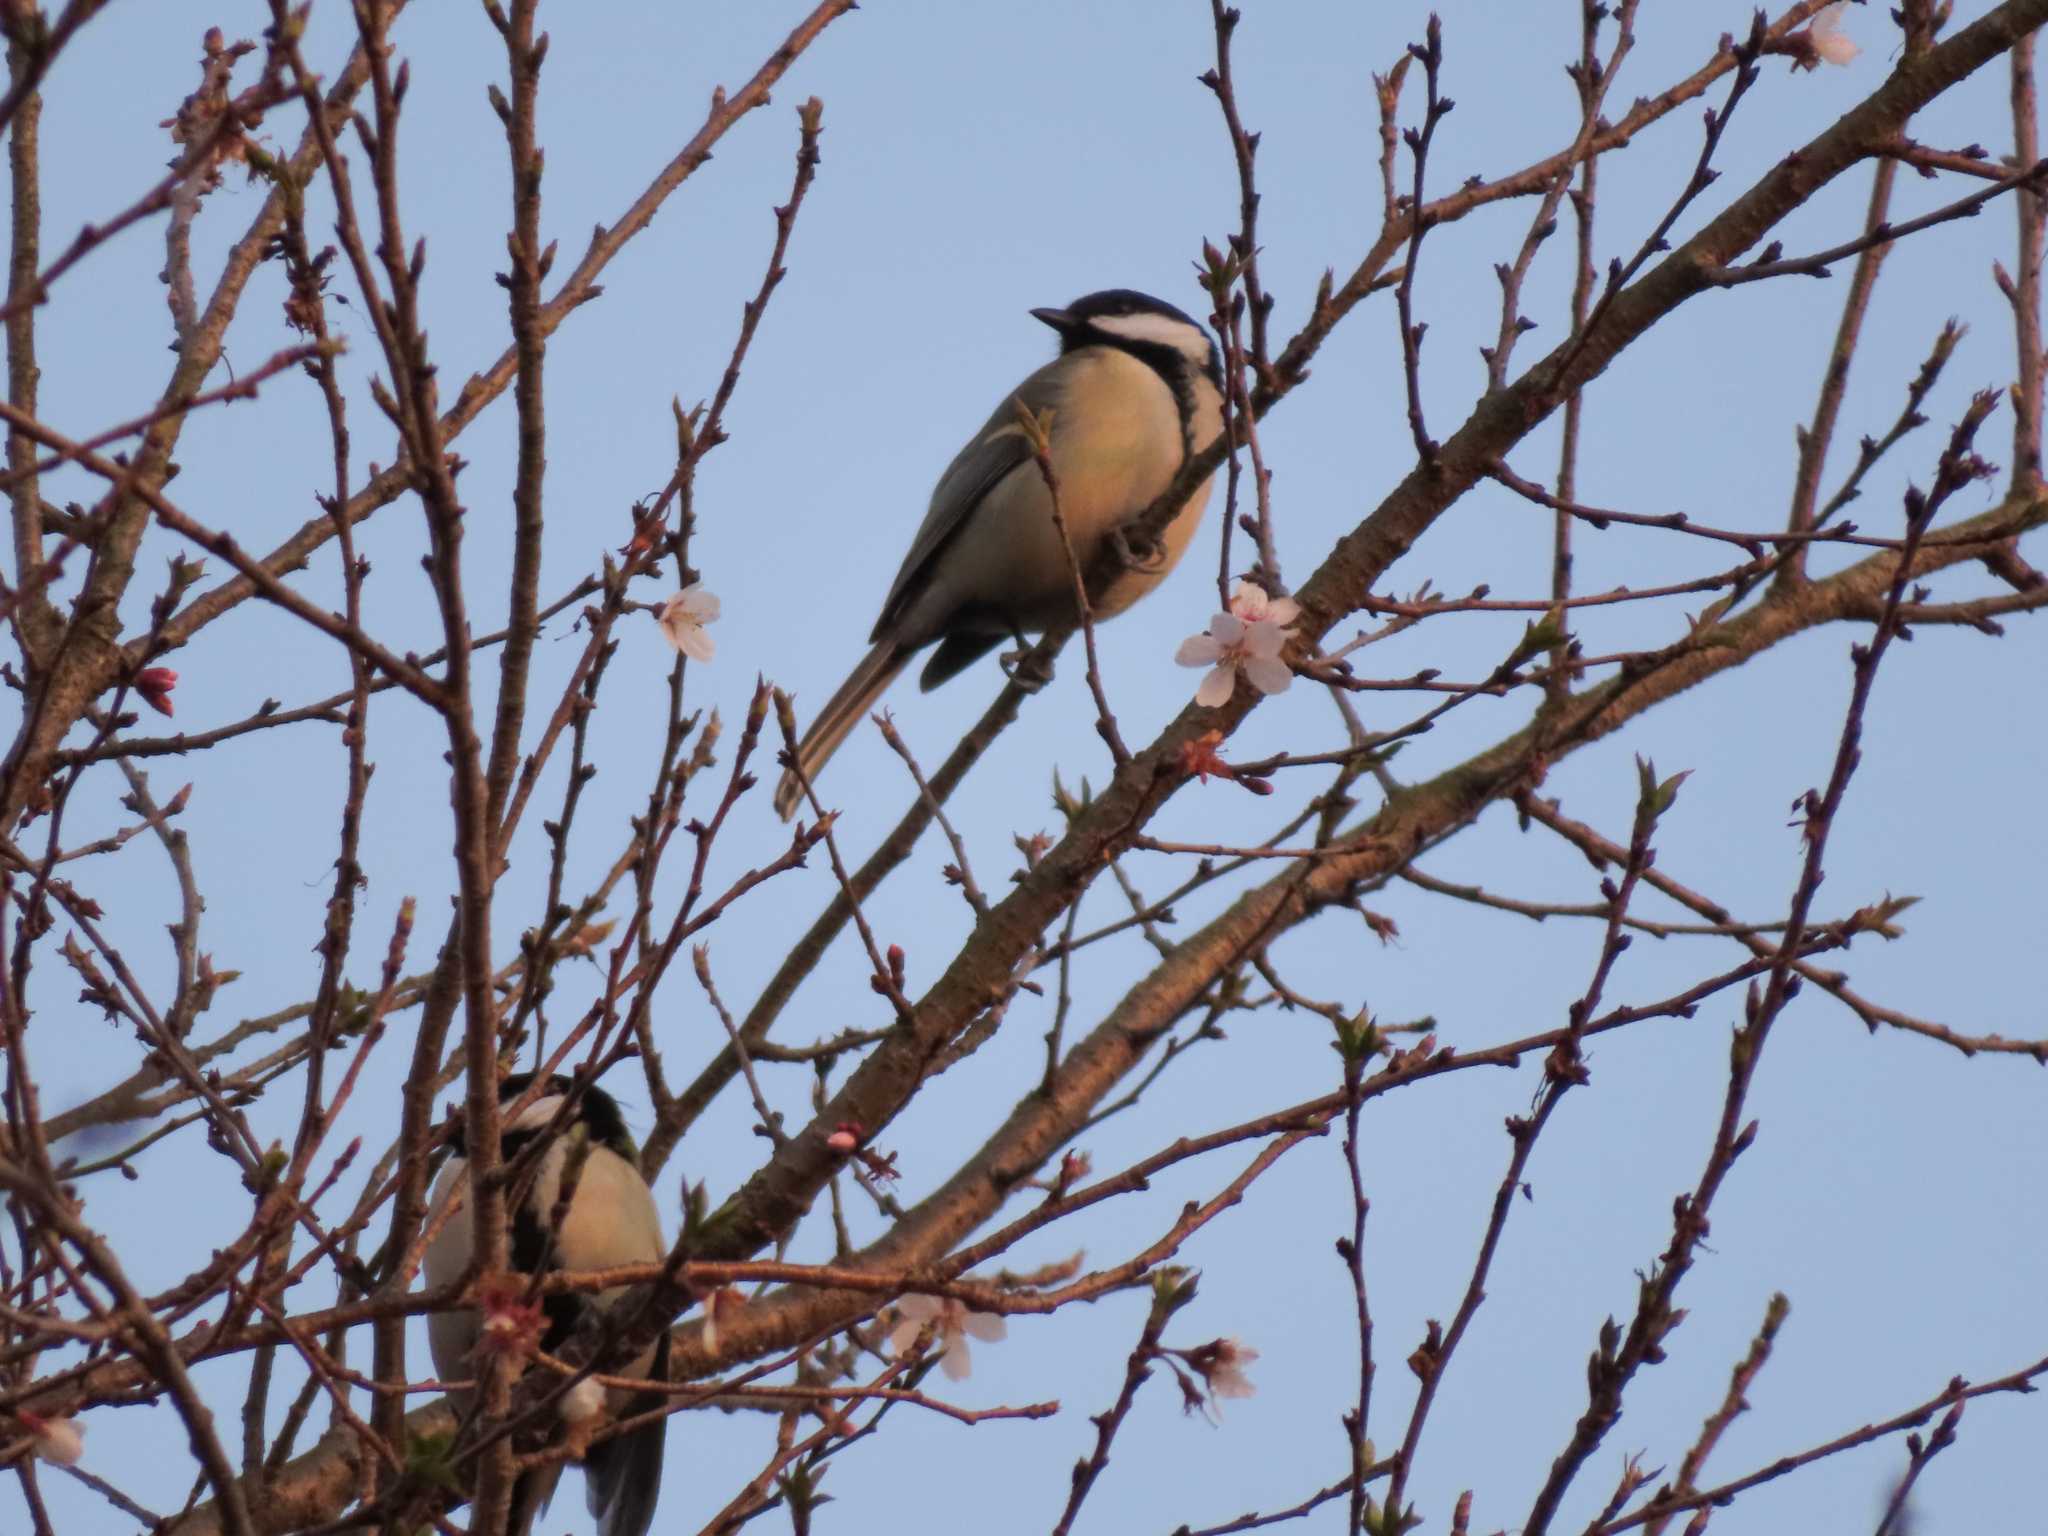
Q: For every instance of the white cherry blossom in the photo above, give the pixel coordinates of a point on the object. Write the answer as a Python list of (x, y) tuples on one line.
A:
[(683, 617), (61, 1442), (953, 1325), (1826, 35), (1227, 1377)]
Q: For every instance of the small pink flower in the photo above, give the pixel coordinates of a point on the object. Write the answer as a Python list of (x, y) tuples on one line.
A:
[(1248, 639), (683, 617), (1826, 36), (155, 685), (845, 1138), (952, 1323)]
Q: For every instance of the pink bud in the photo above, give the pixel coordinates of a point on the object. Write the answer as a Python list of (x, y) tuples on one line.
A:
[(155, 685)]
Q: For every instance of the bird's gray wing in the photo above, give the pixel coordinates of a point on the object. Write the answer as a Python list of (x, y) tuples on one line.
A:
[(997, 451)]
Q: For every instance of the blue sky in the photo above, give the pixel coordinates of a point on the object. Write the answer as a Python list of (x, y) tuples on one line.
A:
[(979, 161)]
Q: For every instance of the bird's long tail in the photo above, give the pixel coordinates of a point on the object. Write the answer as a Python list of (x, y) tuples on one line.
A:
[(842, 712), (622, 1475), (532, 1492)]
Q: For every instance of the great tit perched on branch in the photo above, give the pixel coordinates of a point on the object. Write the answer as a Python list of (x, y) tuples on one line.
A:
[(1135, 392), (610, 1220)]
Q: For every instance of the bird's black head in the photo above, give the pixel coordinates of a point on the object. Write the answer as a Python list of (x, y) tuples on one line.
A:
[(597, 1111), (1150, 329)]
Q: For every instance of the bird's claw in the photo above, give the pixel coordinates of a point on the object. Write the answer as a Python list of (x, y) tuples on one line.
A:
[(1134, 557), (1019, 667)]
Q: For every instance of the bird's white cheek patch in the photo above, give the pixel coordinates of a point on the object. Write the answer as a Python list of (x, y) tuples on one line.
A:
[(537, 1114), (1160, 330)]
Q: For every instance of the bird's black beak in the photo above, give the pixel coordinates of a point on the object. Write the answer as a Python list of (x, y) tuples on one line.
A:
[(1058, 319)]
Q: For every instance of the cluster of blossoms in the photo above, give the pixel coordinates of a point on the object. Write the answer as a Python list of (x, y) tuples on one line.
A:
[(1219, 1365), (1248, 637)]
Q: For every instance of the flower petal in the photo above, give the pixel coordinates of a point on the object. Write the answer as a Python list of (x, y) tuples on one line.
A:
[(1226, 630), (1217, 687), (61, 1442), (1198, 651), (989, 1327), (956, 1362), (683, 617), (1265, 639), (1283, 610), (1267, 675)]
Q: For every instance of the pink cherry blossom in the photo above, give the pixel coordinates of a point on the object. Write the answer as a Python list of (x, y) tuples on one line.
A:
[(1248, 639)]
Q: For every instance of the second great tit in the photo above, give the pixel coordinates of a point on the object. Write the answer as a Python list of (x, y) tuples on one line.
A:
[(1136, 391), (610, 1221)]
